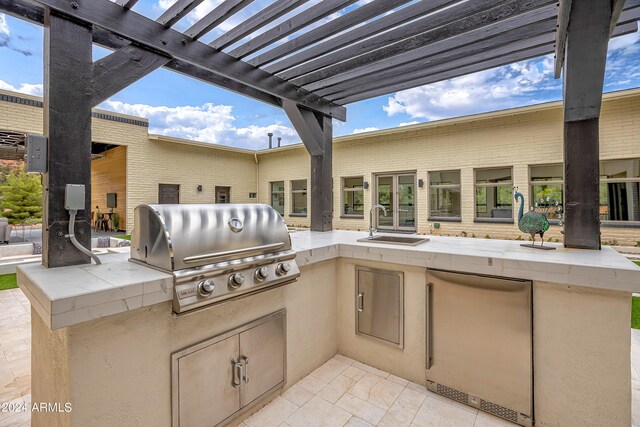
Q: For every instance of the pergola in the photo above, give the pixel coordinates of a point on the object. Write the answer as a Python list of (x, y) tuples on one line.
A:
[(312, 71)]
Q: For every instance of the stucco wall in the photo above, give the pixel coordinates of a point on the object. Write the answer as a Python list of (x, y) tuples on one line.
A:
[(581, 341), (116, 371)]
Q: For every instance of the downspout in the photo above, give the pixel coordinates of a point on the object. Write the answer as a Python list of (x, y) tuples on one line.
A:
[(255, 158)]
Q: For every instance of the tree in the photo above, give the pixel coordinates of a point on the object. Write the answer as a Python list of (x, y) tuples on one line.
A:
[(21, 200)]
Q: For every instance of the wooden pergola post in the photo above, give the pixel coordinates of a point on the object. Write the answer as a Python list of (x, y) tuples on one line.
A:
[(316, 132), (587, 37), (67, 125)]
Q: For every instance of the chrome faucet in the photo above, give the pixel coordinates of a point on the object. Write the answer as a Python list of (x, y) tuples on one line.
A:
[(374, 207)]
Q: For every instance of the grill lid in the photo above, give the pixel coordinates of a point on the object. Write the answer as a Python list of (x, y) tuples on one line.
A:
[(176, 237)]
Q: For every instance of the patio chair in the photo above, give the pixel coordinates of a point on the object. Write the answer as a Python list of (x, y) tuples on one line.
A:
[(5, 230)]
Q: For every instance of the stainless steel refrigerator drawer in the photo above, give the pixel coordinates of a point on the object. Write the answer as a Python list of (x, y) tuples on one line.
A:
[(380, 304), (479, 342)]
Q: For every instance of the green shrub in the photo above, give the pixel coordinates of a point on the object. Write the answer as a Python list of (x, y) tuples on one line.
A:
[(21, 198)]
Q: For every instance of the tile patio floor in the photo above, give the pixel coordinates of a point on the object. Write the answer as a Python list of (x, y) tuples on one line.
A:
[(342, 392), (15, 355)]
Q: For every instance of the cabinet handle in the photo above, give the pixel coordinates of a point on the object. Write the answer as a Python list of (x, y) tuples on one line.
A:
[(428, 351), (245, 369), (360, 302), (236, 373)]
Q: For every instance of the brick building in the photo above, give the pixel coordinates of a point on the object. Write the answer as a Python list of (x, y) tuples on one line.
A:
[(450, 177)]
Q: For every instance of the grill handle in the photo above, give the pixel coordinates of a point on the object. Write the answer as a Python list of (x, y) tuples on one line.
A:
[(262, 248)]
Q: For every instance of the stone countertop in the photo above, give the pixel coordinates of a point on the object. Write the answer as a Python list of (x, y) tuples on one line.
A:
[(604, 269), (70, 295)]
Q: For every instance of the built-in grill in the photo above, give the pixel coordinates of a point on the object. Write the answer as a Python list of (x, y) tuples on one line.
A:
[(214, 252)]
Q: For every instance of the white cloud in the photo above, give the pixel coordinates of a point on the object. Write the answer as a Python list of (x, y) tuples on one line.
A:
[(367, 129), (28, 88), (4, 27), (498, 88), (206, 123), (513, 85), (627, 43), (413, 122)]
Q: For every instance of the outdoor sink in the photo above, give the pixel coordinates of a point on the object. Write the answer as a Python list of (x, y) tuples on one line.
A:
[(396, 240)]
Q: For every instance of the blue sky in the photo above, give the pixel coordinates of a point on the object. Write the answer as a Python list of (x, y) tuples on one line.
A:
[(184, 107)]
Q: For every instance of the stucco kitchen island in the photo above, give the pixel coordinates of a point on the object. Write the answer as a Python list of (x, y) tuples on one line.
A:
[(103, 335)]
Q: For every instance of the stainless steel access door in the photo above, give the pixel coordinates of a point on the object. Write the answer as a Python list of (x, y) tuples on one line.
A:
[(380, 304), (479, 339), (206, 393), (262, 354)]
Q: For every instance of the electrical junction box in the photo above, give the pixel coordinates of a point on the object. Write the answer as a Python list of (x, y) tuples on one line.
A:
[(74, 197), (36, 158)]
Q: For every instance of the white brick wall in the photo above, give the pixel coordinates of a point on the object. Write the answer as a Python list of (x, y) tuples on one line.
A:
[(515, 138)]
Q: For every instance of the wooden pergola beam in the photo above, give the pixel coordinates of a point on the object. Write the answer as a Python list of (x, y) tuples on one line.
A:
[(127, 4), (23, 10), (421, 33), (257, 21), (456, 72), (121, 68), (349, 20), (313, 55), (457, 68), (219, 14), (520, 39), (290, 26), (156, 36), (177, 11), (433, 51), (307, 126)]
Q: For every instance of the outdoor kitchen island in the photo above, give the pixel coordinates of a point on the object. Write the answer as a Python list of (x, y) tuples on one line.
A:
[(103, 335)]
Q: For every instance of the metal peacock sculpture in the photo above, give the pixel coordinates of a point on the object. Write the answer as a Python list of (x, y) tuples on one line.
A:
[(535, 222)]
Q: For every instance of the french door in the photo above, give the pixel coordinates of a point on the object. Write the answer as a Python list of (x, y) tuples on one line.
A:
[(396, 192)]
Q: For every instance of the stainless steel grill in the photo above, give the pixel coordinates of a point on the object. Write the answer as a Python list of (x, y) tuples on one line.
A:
[(214, 252)]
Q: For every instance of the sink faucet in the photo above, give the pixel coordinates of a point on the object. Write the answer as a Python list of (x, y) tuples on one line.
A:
[(373, 208)]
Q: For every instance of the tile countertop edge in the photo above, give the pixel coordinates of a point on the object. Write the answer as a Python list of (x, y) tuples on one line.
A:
[(117, 297), (499, 258)]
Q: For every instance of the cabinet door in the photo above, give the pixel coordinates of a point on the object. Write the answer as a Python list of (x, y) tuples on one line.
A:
[(206, 392), (379, 304), (262, 351)]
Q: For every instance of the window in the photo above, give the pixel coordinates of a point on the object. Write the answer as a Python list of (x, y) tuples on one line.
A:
[(353, 197), (619, 190), (546, 183), (494, 194), (444, 195), (299, 197), (277, 196)]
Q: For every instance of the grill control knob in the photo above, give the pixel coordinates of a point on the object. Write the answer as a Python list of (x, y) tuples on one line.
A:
[(206, 287), (236, 280), (262, 273), (283, 268)]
